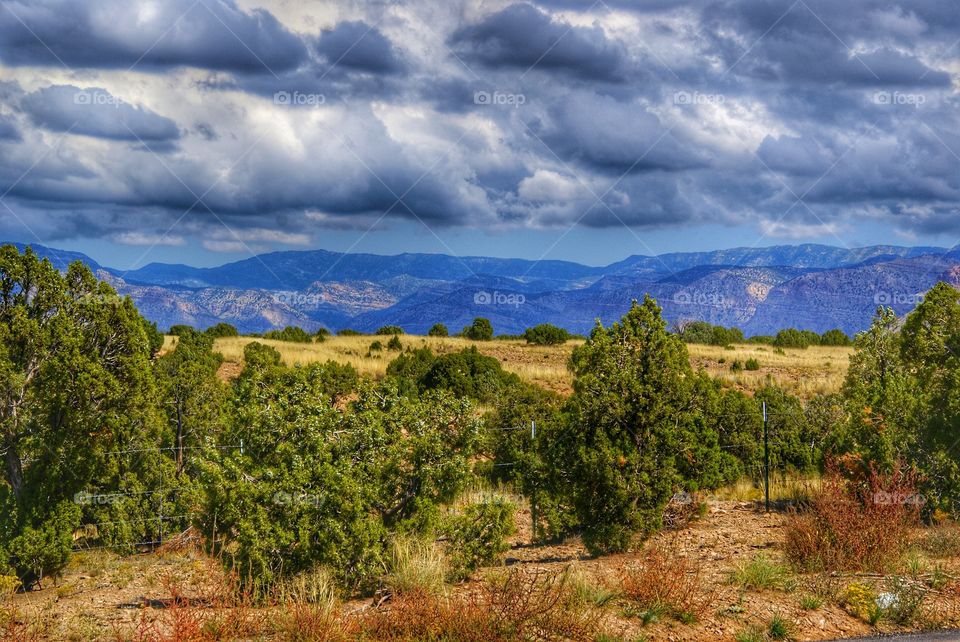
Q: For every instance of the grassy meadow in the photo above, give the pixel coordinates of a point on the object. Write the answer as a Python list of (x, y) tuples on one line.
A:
[(803, 372)]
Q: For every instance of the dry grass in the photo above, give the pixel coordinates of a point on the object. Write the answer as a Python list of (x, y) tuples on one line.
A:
[(806, 373), (858, 524), (663, 582)]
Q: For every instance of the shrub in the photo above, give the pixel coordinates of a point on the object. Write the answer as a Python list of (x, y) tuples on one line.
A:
[(480, 330), (859, 524), (479, 536), (438, 330), (389, 329), (180, 330), (546, 334), (292, 334), (751, 364), (835, 337), (467, 374), (760, 572), (663, 582), (394, 343), (349, 332), (779, 628), (222, 330), (416, 565), (376, 346), (736, 366), (793, 338)]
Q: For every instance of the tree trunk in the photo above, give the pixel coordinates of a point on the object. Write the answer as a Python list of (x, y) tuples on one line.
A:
[(14, 470), (180, 464)]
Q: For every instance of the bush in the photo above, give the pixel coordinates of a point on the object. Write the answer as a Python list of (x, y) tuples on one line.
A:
[(663, 582), (389, 330), (793, 338), (438, 330), (467, 374), (752, 364), (180, 330), (546, 334), (292, 334), (349, 332), (417, 565), (394, 343), (835, 337), (222, 330), (376, 346), (478, 537), (854, 524), (480, 330), (760, 572), (736, 366)]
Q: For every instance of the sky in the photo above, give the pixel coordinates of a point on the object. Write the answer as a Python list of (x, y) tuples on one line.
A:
[(204, 131)]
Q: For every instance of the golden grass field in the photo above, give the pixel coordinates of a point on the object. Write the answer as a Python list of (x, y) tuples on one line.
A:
[(806, 373)]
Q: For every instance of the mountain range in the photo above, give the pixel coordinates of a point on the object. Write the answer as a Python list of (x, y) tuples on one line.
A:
[(760, 290)]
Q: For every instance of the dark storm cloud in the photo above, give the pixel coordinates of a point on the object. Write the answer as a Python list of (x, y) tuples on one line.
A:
[(211, 34), (93, 111), (523, 37), (358, 46), (819, 42), (8, 131), (849, 104)]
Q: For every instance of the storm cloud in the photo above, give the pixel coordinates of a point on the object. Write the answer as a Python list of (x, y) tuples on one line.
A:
[(170, 122)]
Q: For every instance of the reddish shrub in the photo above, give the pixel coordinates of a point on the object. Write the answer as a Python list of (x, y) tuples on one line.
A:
[(854, 523), (663, 579)]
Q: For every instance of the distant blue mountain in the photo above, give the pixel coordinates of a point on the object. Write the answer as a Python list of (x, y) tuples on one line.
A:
[(761, 290)]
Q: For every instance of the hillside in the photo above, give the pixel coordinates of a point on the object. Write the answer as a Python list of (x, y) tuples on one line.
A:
[(761, 290)]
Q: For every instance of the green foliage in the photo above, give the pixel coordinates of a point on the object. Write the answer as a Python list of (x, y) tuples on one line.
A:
[(221, 330), (320, 483), (394, 343), (736, 366), (438, 330), (630, 417), (758, 573), (180, 330), (76, 383), (793, 338), (376, 346), (390, 329), (467, 373), (478, 536), (751, 364), (835, 337), (762, 339), (349, 332), (546, 334), (709, 334), (292, 334), (480, 330)]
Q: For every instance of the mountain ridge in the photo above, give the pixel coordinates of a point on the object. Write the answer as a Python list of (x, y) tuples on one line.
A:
[(760, 289)]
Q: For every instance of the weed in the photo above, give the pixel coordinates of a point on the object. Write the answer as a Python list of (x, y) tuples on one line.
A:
[(779, 628), (417, 566), (663, 583), (847, 527), (759, 573), (811, 602), (751, 634)]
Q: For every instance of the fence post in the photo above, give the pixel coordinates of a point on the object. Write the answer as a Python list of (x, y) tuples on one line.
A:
[(533, 494), (766, 458)]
